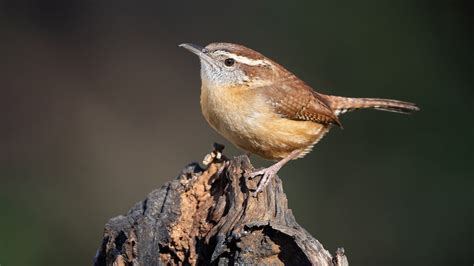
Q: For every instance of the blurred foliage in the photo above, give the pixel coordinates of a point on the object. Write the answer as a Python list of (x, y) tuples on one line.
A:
[(98, 106)]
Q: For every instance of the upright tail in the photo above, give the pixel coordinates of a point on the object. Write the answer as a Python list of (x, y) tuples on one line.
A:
[(342, 105)]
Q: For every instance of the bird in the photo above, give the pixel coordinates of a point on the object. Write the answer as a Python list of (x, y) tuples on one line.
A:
[(264, 109)]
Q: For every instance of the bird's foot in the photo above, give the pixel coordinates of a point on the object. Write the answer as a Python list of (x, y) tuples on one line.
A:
[(266, 176)]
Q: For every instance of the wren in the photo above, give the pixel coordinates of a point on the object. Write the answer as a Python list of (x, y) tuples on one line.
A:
[(266, 110)]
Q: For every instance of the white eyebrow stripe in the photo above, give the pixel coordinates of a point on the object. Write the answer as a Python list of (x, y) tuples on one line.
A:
[(243, 59)]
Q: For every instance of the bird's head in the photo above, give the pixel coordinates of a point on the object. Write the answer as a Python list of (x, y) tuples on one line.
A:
[(229, 65)]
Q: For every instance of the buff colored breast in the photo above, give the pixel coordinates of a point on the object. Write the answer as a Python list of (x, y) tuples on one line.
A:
[(243, 117)]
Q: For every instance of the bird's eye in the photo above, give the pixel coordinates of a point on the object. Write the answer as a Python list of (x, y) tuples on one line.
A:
[(229, 62)]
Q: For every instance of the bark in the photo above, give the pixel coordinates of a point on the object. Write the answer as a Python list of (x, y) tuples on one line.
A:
[(209, 216)]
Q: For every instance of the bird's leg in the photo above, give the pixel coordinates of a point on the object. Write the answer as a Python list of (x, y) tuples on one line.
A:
[(269, 172)]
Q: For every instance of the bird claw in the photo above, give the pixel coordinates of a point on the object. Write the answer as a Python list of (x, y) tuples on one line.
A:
[(266, 176), (254, 174)]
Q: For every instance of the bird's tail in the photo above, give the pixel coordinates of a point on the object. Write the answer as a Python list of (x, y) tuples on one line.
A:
[(342, 105)]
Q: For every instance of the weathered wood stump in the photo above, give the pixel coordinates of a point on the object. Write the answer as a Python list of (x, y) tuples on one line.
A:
[(209, 216)]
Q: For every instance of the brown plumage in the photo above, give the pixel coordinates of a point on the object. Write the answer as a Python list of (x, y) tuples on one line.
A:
[(264, 109), (344, 104), (297, 101)]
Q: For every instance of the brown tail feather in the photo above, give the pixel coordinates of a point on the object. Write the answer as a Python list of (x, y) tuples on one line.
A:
[(341, 105)]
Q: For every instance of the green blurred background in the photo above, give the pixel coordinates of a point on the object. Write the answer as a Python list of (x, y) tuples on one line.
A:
[(98, 106)]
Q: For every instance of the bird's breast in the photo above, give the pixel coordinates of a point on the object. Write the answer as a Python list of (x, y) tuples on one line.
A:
[(244, 118)]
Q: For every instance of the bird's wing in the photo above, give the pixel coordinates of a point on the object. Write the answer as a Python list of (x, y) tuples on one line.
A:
[(294, 99)]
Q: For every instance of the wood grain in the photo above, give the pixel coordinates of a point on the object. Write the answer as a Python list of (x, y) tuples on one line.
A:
[(208, 217)]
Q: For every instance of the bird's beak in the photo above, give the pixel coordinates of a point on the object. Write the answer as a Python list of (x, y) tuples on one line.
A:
[(199, 51)]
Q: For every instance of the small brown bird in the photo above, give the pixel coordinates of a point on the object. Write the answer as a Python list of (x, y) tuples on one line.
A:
[(264, 109)]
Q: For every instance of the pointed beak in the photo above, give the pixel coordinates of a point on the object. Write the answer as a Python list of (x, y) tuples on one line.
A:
[(199, 51)]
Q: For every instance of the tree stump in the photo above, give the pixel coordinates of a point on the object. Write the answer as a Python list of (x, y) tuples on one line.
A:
[(209, 216)]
